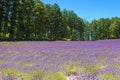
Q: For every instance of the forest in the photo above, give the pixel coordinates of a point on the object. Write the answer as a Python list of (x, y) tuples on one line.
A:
[(34, 20)]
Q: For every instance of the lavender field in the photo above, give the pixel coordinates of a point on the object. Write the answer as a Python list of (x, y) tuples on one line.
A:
[(54, 60)]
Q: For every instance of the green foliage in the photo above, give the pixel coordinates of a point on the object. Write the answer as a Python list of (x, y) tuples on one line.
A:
[(25, 63), (58, 76), (2, 61), (93, 68), (37, 75), (34, 20), (8, 72), (106, 28), (109, 76), (104, 59)]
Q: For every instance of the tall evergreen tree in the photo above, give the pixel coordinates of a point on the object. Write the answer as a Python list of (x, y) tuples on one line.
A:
[(38, 21), (65, 29), (1, 16), (47, 24), (56, 27)]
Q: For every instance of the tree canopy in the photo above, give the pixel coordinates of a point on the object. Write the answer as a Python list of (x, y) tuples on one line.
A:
[(34, 20)]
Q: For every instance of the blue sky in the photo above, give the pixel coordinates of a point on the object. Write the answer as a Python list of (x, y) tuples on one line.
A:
[(90, 9)]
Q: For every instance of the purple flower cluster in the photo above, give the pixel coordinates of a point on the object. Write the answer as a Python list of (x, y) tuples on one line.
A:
[(91, 58)]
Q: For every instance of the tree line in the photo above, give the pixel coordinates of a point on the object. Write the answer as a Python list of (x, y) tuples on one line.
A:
[(34, 20)]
